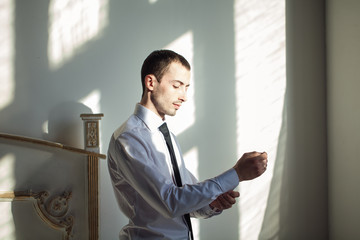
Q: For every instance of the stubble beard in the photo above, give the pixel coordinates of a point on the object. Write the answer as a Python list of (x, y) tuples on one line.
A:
[(162, 108)]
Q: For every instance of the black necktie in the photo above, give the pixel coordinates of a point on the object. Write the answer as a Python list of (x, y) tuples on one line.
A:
[(165, 131)]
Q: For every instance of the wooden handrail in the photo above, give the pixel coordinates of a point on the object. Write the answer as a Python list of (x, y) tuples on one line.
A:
[(45, 143)]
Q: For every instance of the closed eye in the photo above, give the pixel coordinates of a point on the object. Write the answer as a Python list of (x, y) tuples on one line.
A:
[(178, 84)]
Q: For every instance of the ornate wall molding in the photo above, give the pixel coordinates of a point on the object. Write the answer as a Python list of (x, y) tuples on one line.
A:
[(53, 210), (6, 137), (91, 131)]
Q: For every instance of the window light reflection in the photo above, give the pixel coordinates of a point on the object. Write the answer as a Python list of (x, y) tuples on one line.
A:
[(7, 183), (92, 100), (191, 159), (7, 84), (72, 23), (185, 116), (260, 89)]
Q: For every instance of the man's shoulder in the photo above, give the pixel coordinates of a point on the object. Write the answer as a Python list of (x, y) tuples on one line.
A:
[(132, 125)]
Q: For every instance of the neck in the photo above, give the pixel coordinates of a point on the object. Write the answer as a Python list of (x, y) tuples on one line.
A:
[(146, 102)]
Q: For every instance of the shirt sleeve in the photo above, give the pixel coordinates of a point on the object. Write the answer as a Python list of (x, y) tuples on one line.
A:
[(139, 166), (227, 179)]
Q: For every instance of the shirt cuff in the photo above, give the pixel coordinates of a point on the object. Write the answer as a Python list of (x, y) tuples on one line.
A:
[(228, 180), (211, 212)]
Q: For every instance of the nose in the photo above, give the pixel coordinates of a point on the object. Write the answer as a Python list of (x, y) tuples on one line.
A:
[(183, 95)]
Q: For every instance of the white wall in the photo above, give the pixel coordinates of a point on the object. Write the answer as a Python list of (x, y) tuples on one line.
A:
[(98, 69), (344, 117)]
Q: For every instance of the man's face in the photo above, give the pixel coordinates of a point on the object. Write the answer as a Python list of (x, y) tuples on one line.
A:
[(170, 92)]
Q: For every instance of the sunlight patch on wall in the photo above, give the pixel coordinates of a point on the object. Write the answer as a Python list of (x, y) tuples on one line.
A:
[(191, 159), (260, 90), (72, 23), (7, 179), (92, 100), (45, 126), (7, 226), (185, 116), (7, 183), (7, 83)]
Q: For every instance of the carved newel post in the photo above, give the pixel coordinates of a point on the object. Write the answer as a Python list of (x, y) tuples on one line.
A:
[(91, 131), (92, 144)]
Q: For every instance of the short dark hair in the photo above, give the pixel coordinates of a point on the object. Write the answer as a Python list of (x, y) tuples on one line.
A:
[(158, 62)]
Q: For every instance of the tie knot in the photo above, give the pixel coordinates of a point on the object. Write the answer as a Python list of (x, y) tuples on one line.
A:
[(164, 130)]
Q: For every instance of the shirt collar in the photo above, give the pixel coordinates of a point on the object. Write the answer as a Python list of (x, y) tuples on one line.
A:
[(152, 120)]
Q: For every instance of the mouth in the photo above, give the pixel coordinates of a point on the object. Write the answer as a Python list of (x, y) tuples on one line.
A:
[(177, 106)]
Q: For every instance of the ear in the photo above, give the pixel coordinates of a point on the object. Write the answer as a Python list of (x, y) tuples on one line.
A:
[(150, 82)]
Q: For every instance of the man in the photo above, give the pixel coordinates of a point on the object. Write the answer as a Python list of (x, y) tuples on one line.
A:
[(151, 183)]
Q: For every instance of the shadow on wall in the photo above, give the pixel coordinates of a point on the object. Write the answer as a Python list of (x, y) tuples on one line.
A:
[(37, 170), (65, 125)]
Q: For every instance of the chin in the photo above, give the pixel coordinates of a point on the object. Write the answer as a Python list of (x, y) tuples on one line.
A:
[(171, 113)]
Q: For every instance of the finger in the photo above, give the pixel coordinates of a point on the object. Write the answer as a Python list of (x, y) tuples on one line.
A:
[(229, 199), (234, 194), (251, 154), (224, 201), (215, 204), (265, 161), (260, 158), (260, 162)]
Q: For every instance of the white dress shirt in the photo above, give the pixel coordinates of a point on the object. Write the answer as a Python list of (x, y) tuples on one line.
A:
[(140, 169)]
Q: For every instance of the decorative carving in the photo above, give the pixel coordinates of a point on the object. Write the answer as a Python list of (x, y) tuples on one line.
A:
[(53, 210), (91, 131), (92, 135)]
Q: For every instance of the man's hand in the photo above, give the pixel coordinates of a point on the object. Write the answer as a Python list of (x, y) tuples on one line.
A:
[(224, 201), (251, 165)]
